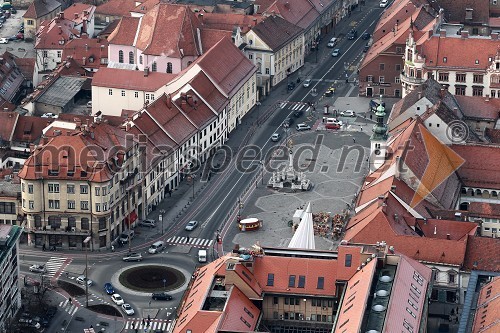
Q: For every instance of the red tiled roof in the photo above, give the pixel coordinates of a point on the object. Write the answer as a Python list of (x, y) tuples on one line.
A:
[(130, 80), (26, 66), (92, 49), (228, 21), (40, 8), (167, 19), (8, 121), (195, 109), (455, 230), (276, 32), (493, 135), (235, 312), (55, 34), (203, 86), (487, 315), (226, 66), (479, 107), (145, 6), (29, 129), (210, 37), (116, 7), (75, 12), (481, 165), (484, 209), (299, 12), (125, 31), (483, 254)]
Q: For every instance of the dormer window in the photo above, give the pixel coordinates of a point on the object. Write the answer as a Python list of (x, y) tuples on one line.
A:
[(477, 62), (445, 59)]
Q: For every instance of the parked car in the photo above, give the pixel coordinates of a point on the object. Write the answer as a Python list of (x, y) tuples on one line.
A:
[(161, 296), (298, 113), (291, 86), (26, 322), (128, 309), (1, 26), (275, 137), (125, 236), (148, 223), (383, 3), (49, 115), (156, 247), (133, 257), (38, 269), (288, 122), (366, 48), (117, 299), (336, 53), (7, 14), (302, 127), (13, 10), (330, 92), (332, 42), (108, 288), (307, 83), (366, 36), (43, 321), (81, 280), (191, 225), (4, 40), (352, 34), (348, 113), (332, 126)]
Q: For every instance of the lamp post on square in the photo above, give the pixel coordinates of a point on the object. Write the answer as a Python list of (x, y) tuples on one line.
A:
[(160, 218)]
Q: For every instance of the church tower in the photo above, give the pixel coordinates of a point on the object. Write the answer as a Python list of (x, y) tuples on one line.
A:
[(378, 140)]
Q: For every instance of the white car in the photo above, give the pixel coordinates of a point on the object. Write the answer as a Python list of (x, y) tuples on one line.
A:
[(81, 280), (302, 127), (307, 83), (191, 225), (336, 53), (383, 3), (348, 113), (4, 40), (117, 299), (49, 115), (38, 269), (332, 42), (128, 309)]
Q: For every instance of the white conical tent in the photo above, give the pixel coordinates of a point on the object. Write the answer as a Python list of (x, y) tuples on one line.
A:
[(304, 236)]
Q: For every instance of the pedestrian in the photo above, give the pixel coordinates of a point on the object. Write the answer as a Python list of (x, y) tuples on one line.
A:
[(43, 247), (170, 193), (354, 140), (136, 330), (149, 317), (361, 128), (70, 300), (112, 248), (187, 239), (143, 322)]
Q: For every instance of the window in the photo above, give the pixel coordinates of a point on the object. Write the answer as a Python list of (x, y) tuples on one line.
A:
[(410, 312), (102, 223), (54, 204), (110, 92), (169, 67), (71, 204), (270, 279), (85, 223), (381, 79), (451, 277), (267, 71), (399, 49), (30, 188), (154, 66), (460, 90), (291, 281), (131, 57), (59, 54), (302, 281), (250, 56), (31, 204), (45, 54), (104, 190), (31, 22), (398, 68), (460, 78), (136, 94), (97, 191), (445, 59), (478, 78), (120, 57), (84, 205), (275, 300), (97, 207), (477, 91), (70, 189), (71, 222), (444, 77), (369, 78), (321, 282), (123, 93), (53, 188), (348, 260), (382, 67)]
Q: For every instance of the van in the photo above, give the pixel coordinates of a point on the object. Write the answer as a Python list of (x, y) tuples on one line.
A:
[(156, 247), (125, 235), (202, 255), (332, 42)]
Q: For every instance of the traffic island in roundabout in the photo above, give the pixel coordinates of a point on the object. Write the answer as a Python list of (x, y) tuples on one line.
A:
[(150, 278)]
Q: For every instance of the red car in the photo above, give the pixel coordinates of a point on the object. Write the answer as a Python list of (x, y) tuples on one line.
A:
[(332, 126)]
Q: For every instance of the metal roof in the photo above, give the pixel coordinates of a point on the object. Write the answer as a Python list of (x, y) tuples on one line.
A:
[(62, 91)]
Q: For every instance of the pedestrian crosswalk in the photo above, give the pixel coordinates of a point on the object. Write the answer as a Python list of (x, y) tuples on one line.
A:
[(295, 106), (191, 241), (56, 265), (141, 325), (68, 307)]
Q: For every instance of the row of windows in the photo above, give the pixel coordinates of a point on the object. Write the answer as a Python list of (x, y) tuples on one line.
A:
[(460, 77), (71, 204), (317, 302), (131, 57), (300, 316), (381, 79), (70, 189)]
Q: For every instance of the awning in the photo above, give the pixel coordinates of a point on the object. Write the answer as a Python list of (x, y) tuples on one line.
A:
[(131, 218)]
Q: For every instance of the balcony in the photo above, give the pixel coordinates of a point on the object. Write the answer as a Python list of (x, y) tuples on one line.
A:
[(59, 231), (411, 80)]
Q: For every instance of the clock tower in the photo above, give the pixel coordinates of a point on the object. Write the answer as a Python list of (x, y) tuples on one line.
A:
[(378, 148)]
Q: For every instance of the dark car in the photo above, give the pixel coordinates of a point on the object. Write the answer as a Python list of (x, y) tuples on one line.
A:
[(366, 48), (288, 122), (2, 19), (366, 36), (352, 34), (108, 288), (291, 86), (161, 296), (298, 113), (13, 10), (44, 321)]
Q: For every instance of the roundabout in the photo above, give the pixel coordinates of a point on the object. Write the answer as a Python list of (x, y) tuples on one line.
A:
[(150, 278)]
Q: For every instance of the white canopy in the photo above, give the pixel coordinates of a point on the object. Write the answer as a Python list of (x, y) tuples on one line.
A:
[(304, 236)]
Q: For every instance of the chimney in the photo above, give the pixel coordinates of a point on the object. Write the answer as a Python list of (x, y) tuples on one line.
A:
[(419, 95), (77, 121), (60, 29), (86, 47), (442, 33), (189, 99), (464, 34), (200, 17), (61, 15), (76, 15), (455, 111), (494, 35), (442, 93), (183, 104), (448, 236), (146, 71), (84, 60), (169, 101), (254, 22), (487, 99)]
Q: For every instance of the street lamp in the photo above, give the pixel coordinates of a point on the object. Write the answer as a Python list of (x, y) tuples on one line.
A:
[(86, 242), (162, 212)]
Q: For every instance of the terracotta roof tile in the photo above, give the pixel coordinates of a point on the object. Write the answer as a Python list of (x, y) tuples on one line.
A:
[(276, 32), (484, 209), (54, 34), (455, 13), (116, 7), (487, 315), (76, 12), (481, 165), (235, 312), (8, 121), (125, 31), (210, 37), (93, 50), (228, 21), (446, 229), (145, 6), (40, 8), (483, 254), (493, 135), (226, 66), (477, 107), (195, 109), (299, 12), (26, 66), (167, 19), (29, 129), (130, 80)]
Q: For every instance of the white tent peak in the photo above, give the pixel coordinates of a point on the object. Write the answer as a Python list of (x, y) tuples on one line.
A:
[(304, 235)]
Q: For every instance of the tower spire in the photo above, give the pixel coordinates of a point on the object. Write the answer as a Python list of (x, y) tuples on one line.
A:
[(378, 138)]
